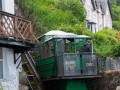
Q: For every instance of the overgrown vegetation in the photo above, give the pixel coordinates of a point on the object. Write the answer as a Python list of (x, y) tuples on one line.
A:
[(106, 43), (115, 7), (67, 15)]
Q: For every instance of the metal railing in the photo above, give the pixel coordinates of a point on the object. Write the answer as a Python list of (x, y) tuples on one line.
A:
[(32, 65), (77, 64), (16, 27)]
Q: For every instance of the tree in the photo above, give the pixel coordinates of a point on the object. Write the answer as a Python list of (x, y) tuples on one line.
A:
[(116, 25), (115, 7), (113, 2), (106, 43), (117, 2), (54, 14)]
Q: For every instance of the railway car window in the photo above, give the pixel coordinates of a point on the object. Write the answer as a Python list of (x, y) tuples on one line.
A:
[(69, 46), (43, 51), (79, 44), (47, 49), (51, 48), (42, 39), (60, 46)]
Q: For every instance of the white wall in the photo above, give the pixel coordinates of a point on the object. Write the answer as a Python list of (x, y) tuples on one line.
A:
[(10, 79), (8, 6)]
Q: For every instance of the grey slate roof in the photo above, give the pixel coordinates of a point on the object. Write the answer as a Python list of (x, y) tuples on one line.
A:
[(103, 4), (83, 1)]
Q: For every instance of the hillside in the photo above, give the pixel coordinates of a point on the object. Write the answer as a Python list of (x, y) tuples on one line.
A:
[(115, 8), (67, 15)]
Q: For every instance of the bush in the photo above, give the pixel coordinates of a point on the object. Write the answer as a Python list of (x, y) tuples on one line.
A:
[(106, 43), (116, 25)]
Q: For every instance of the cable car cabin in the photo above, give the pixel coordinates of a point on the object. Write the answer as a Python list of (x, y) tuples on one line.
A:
[(59, 56)]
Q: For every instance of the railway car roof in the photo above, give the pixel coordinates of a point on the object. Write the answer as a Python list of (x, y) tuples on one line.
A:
[(62, 34)]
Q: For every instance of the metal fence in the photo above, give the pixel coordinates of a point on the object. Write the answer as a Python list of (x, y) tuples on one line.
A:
[(77, 65), (89, 64), (71, 64), (68, 65)]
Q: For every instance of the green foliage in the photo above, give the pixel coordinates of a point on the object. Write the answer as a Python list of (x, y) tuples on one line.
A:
[(116, 13), (115, 7), (106, 43), (113, 2), (116, 25), (53, 14), (77, 29), (74, 6), (118, 2)]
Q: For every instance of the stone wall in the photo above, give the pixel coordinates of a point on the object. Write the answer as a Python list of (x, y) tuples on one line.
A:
[(113, 63), (110, 80), (109, 64)]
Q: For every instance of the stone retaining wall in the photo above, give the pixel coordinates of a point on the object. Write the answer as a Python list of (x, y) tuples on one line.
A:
[(110, 80)]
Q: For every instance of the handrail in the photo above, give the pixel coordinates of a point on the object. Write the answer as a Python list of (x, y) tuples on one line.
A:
[(32, 65), (18, 28)]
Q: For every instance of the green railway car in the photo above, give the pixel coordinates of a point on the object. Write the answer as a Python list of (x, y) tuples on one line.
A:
[(59, 60)]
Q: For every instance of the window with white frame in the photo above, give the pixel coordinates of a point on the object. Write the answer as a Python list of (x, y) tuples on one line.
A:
[(0, 4), (100, 22), (107, 12), (88, 2), (96, 29), (1, 63), (107, 22), (104, 21), (88, 14), (89, 26), (95, 17)]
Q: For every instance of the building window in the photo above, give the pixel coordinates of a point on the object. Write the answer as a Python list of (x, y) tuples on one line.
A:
[(100, 22), (1, 69), (95, 17), (0, 4), (88, 2), (107, 22), (88, 14), (89, 26), (96, 28), (104, 22), (107, 11), (1, 63)]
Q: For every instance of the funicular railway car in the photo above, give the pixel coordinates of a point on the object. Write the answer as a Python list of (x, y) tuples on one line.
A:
[(60, 65)]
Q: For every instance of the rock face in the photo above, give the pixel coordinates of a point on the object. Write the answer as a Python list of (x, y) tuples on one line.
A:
[(23, 87), (22, 78), (110, 80), (23, 81), (118, 88)]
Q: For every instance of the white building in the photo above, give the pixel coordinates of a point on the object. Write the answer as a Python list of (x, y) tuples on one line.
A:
[(98, 14), (12, 34)]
